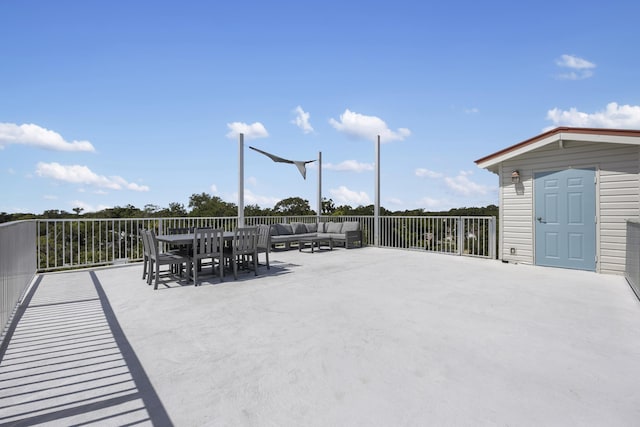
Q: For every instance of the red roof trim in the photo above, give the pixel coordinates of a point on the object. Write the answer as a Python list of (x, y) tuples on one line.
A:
[(587, 131)]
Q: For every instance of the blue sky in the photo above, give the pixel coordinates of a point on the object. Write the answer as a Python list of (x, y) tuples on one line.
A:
[(106, 104)]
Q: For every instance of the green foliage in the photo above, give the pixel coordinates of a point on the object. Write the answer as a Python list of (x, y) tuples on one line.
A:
[(293, 206), (204, 204), (255, 210), (360, 210), (175, 210), (328, 208)]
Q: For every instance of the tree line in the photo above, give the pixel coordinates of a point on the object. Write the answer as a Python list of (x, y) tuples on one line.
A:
[(206, 205)]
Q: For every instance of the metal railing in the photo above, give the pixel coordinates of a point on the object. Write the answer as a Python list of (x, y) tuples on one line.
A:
[(74, 243), (17, 266), (458, 235), (632, 265)]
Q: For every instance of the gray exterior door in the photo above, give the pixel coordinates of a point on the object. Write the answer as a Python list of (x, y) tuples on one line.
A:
[(565, 219)]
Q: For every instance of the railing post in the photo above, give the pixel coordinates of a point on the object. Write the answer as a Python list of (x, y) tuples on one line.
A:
[(376, 213), (492, 238), (460, 232)]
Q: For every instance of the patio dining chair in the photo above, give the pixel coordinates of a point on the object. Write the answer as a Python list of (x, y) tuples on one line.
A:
[(146, 256), (264, 242), (243, 246), (178, 249), (157, 259), (207, 244)]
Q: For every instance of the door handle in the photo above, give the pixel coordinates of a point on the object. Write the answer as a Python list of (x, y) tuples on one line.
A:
[(540, 220)]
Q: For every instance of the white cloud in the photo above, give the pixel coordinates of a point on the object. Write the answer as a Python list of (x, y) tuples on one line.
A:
[(359, 126), (77, 174), (253, 131), (253, 199), (395, 201), (349, 165), (613, 116), (11, 171), (343, 196), (422, 172), (462, 185), (252, 181), (213, 188), (302, 120), (36, 136), (429, 203), (579, 68), (472, 111), (50, 197)]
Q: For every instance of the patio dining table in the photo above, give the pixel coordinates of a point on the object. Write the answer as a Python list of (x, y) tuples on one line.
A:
[(187, 238)]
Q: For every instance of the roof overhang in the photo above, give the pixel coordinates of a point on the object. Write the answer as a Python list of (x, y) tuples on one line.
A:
[(557, 136)]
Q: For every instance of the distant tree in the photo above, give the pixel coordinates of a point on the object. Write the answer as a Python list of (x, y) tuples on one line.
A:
[(204, 204), (328, 208), (78, 211), (176, 210), (255, 210), (293, 206), (55, 214), (342, 210), (151, 209), (128, 211), (7, 217)]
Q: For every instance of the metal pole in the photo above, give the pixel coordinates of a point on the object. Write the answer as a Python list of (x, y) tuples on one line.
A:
[(319, 185), (376, 209), (241, 182)]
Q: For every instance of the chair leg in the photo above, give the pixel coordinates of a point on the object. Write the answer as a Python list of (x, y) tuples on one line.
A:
[(155, 286), (255, 262), (150, 272), (144, 270), (267, 256), (195, 273)]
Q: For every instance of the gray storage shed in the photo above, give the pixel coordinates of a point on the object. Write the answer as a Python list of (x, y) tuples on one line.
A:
[(565, 196)]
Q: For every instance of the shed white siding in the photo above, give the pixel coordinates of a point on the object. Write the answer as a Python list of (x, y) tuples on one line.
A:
[(617, 197)]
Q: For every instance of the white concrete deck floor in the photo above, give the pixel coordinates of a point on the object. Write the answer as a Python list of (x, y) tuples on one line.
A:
[(358, 337)]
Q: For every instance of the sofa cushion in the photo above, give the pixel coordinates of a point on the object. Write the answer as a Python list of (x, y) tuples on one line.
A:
[(290, 237), (284, 229), (350, 226), (321, 227), (334, 236), (273, 230), (312, 228), (333, 227), (298, 228)]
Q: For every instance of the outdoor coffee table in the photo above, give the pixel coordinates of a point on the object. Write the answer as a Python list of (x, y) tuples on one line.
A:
[(327, 241)]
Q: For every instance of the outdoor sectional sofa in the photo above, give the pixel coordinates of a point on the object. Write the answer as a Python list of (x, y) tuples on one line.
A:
[(347, 233)]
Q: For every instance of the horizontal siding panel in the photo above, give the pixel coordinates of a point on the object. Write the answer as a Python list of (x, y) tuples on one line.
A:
[(613, 258), (619, 190), (511, 233), (615, 198), (520, 241), (613, 246), (614, 220), (627, 179), (618, 271), (613, 234)]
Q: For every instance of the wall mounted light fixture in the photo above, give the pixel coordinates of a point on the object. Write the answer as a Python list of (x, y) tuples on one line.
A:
[(515, 177)]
